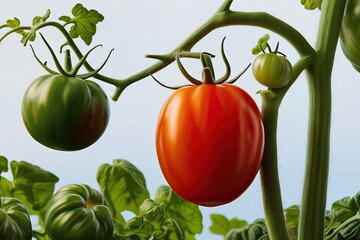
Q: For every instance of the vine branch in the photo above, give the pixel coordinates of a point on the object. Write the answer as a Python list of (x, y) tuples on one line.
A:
[(223, 17)]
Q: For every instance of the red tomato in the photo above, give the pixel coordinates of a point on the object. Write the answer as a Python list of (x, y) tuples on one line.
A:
[(210, 142)]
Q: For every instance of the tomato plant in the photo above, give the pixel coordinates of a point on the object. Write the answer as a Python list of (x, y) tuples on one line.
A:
[(194, 128)]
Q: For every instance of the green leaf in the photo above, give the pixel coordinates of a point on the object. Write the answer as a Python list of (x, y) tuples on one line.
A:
[(139, 227), (235, 234), (158, 235), (311, 4), (84, 22), (175, 231), (31, 35), (187, 215), (292, 220), (39, 235), (13, 23), (351, 230), (66, 19), (236, 223), (344, 218), (41, 19), (5, 187), (32, 185), (257, 230), (254, 231), (341, 210), (261, 44), (3, 164), (152, 212), (221, 225), (123, 186)]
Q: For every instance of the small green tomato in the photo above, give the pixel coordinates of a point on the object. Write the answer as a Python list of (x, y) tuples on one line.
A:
[(272, 70)]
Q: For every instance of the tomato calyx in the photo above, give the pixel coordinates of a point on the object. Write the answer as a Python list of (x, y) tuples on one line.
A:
[(69, 70), (208, 73), (270, 51)]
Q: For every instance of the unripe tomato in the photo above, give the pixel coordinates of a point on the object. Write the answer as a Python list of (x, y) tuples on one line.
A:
[(272, 70), (77, 212), (350, 33), (15, 223), (65, 113), (209, 142)]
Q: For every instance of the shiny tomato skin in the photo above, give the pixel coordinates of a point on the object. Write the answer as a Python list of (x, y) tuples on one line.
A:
[(210, 142), (272, 70), (65, 113)]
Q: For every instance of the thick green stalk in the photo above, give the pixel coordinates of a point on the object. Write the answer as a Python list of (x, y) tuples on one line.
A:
[(313, 206), (274, 213), (270, 184)]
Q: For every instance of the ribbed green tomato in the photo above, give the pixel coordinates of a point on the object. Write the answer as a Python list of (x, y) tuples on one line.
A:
[(272, 70), (350, 33), (77, 212), (65, 113), (15, 221)]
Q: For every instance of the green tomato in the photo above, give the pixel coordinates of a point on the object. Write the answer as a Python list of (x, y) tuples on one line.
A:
[(77, 212), (15, 221), (272, 70), (350, 33), (65, 113)]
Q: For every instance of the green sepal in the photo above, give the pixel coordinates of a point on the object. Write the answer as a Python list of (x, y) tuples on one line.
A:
[(261, 44), (311, 4)]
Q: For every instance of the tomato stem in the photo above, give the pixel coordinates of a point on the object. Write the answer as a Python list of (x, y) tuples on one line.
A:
[(272, 201), (313, 205), (67, 61), (222, 18), (270, 184)]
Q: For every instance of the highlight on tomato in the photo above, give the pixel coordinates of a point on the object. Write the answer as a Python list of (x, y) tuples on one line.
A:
[(63, 110), (209, 138)]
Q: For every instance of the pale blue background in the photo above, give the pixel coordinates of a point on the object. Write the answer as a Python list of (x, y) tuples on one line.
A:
[(135, 28)]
